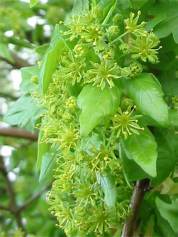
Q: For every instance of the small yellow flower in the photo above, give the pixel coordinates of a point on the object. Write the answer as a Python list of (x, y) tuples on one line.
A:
[(75, 28), (132, 26), (69, 138), (125, 123), (144, 47), (71, 103), (135, 69), (72, 68), (103, 74)]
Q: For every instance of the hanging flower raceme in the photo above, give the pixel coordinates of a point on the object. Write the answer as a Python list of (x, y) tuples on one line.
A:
[(132, 25), (101, 54)]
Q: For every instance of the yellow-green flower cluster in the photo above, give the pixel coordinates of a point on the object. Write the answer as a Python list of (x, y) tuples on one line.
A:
[(99, 53), (77, 197), (102, 52), (143, 45), (125, 123)]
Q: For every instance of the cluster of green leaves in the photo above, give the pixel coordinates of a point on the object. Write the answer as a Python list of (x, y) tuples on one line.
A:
[(109, 114)]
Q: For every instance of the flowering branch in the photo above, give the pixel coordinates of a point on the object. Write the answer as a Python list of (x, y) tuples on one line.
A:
[(33, 198)]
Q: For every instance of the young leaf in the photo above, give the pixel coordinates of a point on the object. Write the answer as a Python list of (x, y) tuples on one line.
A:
[(43, 149), (93, 142), (23, 112), (142, 149), (96, 104), (28, 73), (79, 7), (166, 27), (132, 170), (109, 189), (169, 211), (57, 46), (45, 160), (148, 96), (107, 7), (167, 153), (163, 227), (47, 166), (173, 117), (165, 19)]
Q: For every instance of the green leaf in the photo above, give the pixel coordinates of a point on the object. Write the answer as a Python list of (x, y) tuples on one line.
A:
[(89, 144), (47, 166), (148, 96), (124, 4), (33, 2), (107, 7), (169, 211), (28, 73), (169, 86), (142, 149), (109, 189), (80, 7), (41, 50), (163, 228), (175, 34), (96, 104), (167, 153), (166, 27), (173, 117), (23, 112), (132, 170), (57, 46), (164, 19), (43, 149), (5, 53), (45, 160), (137, 4)]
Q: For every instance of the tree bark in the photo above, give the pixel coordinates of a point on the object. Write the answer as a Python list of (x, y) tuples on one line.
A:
[(18, 133), (138, 194)]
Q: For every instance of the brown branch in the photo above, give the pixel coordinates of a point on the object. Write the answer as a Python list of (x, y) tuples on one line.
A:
[(18, 133), (138, 194), (17, 62), (33, 198), (8, 96), (4, 208), (13, 208)]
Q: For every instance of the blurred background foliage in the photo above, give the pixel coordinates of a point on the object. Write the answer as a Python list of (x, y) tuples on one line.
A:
[(23, 207)]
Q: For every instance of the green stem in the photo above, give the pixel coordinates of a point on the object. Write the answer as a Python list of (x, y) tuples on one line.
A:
[(120, 37)]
